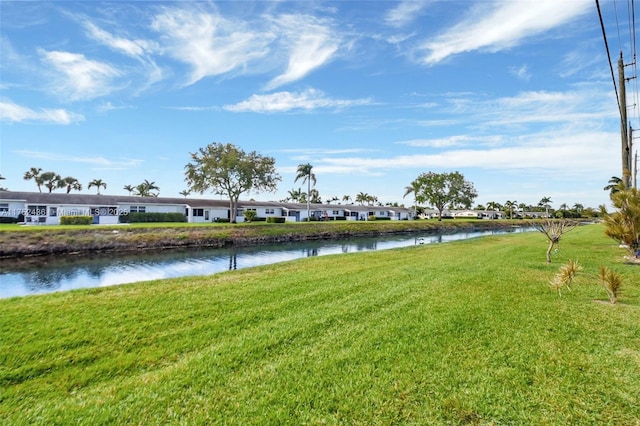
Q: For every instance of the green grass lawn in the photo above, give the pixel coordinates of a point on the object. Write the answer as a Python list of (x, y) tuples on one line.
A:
[(459, 333)]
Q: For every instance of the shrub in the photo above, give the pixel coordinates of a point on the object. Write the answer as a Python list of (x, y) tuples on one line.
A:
[(152, 217), (274, 219), (76, 220), (372, 217), (249, 215), (8, 219)]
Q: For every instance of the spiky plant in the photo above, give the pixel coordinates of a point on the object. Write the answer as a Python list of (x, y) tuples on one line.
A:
[(611, 281), (553, 230), (565, 276)]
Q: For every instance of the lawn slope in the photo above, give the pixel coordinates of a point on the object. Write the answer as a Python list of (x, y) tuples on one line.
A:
[(457, 333)]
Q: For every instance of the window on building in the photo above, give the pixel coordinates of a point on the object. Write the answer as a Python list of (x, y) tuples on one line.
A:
[(137, 209), (335, 212), (198, 212), (53, 211), (37, 210), (270, 211), (4, 207)]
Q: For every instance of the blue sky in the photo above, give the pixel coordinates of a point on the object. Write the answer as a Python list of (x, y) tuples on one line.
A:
[(517, 95)]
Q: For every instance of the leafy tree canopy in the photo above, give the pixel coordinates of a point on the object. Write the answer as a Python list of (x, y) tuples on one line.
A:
[(225, 169), (445, 190)]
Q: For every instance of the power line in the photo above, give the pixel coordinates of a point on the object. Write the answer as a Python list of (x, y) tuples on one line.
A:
[(606, 45)]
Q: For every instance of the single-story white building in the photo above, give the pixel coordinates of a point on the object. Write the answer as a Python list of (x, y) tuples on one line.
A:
[(47, 208)]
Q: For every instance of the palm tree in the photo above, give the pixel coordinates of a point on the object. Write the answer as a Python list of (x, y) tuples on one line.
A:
[(578, 208), (295, 195), (332, 199), (362, 198), (2, 188), (346, 198), (146, 188), (186, 193), (51, 181), (545, 202), (305, 173), (314, 196), (72, 183), (413, 189), (34, 174), (613, 186), (129, 189), (509, 205), (98, 183)]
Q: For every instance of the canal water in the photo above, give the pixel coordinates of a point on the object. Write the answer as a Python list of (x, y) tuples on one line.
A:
[(101, 270)]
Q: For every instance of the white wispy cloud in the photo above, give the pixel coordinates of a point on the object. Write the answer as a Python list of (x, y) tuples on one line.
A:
[(208, 42), (310, 42), (555, 152), (134, 48), (404, 12), (79, 78), (99, 163), (309, 99), (451, 141), (495, 26), (522, 72), (139, 49), (12, 112)]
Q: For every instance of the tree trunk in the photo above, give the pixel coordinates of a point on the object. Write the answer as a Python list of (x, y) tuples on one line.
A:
[(551, 244)]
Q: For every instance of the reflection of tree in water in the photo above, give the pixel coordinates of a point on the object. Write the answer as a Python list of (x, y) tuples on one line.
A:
[(47, 279), (233, 261)]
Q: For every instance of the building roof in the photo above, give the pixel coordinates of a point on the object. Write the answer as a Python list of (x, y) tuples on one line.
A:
[(45, 198)]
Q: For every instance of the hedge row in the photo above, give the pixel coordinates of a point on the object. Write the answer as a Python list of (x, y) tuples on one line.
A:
[(275, 219), (76, 220), (152, 217)]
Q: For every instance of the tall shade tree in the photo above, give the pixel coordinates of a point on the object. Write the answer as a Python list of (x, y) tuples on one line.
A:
[(346, 198), (97, 183), (72, 183), (227, 170), (34, 174), (445, 190), (413, 189), (129, 188), (305, 172), (52, 180)]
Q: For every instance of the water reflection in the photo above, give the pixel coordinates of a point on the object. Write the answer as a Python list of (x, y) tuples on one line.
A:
[(67, 273)]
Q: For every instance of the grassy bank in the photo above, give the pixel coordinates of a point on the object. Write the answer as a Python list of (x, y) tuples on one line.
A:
[(460, 333), (19, 241)]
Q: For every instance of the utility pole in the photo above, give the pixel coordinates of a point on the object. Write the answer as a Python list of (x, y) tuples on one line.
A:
[(626, 173), (635, 172)]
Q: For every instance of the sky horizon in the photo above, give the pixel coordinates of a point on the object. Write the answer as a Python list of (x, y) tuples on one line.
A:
[(515, 95)]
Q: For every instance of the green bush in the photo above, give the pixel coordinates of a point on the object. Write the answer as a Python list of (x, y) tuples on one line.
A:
[(274, 219), (249, 215), (76, 220), (8, 219), (152, 217)]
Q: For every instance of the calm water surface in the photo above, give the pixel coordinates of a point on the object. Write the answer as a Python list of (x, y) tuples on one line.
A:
[(107, 269)]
